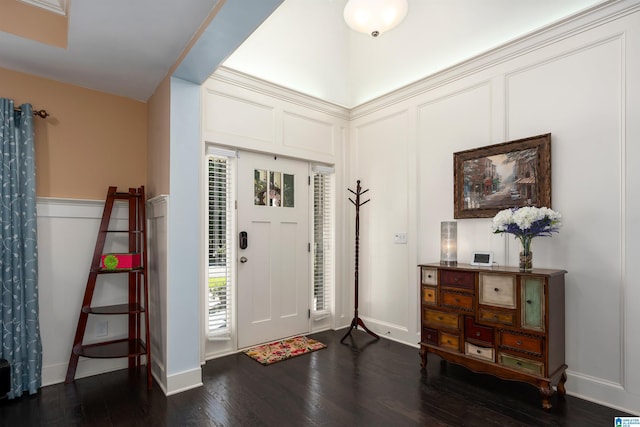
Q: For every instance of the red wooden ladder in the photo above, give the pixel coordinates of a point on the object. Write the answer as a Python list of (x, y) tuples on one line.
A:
[(136, 308)]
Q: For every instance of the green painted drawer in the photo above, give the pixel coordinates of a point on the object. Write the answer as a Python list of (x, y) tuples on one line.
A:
[(521, 364), (532, 305)]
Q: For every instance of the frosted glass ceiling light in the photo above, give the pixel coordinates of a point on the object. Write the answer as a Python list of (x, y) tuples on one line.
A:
[(374, 17)]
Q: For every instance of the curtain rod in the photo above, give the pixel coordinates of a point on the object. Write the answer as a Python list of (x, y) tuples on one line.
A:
[(40, 113)]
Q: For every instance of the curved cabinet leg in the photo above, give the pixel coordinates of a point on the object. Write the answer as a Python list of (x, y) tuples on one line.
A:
[(546, 391), (423, 357), (561, 390)]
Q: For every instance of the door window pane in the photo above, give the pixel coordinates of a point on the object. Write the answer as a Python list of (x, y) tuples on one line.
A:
[(288, 191), (275, 186), (260, 186)]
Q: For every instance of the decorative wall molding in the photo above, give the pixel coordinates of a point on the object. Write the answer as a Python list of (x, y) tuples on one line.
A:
[(158, 201), (56, 6), (50, 207), (559, 77), (157, 214), (253, 84), (588, 19)]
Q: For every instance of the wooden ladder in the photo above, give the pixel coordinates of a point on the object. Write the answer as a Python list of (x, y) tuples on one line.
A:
[(133, 347)]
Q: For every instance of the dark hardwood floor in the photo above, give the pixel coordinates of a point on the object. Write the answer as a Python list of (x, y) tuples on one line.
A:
[(359, 383)]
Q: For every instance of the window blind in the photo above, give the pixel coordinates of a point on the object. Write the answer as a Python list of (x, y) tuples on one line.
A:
[(323, 238), (220, 256)]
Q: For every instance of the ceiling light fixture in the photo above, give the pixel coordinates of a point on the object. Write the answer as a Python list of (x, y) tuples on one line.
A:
[(374, 17)]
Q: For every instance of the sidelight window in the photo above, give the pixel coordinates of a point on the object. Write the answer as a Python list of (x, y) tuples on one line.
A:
[(322, 238), (220, 251)]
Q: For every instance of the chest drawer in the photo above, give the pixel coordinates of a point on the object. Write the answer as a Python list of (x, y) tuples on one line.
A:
[(497, 289), (457, 300), (479, 352), (429, 276), (429, 295), (521, 342), (497, 317), (521, 364), (430, 336), (477, 332), (532, 294), (458, 279), (450, 341), (441, 319)]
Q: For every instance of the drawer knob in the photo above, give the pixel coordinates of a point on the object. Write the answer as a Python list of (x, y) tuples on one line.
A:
[(457, 299), (496, 289), (519, 363), (529, 301), (477, 334), (429, 276), (440, 318), (495, 316), (519, 342), (478, 351)]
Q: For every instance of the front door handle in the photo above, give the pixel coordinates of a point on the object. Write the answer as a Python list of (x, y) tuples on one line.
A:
[(243, 259)]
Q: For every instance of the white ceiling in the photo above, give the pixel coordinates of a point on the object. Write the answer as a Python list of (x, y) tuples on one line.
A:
[(126, 47), (306, 46), (123, 47)]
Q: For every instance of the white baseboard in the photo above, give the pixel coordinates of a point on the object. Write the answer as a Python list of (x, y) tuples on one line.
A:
[(602, 392), (183, 381), (55, 374)]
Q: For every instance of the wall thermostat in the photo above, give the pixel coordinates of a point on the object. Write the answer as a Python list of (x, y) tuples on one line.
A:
[(483, 259)]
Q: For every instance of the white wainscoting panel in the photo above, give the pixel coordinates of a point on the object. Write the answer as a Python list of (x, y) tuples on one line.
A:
[(309, 134), (157, 212), (67, 232), (576, 80), (577, 97), (243, 112), (381, 148), (228, 118)]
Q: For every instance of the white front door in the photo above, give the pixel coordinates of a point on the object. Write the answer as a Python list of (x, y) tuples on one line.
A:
[(273, 268)]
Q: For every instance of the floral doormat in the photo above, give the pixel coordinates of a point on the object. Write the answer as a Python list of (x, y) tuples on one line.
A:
[(268, 354)]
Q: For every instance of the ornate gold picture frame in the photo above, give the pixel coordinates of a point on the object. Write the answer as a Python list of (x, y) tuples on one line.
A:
[(511, 174)]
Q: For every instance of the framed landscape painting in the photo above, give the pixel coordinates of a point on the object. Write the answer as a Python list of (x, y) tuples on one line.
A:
[(511, 174)]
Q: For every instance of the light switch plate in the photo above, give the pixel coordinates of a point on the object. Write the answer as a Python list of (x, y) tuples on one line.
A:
[(400, 238)]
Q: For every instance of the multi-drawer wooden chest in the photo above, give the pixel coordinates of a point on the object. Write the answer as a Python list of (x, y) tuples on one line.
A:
[(498, 321)]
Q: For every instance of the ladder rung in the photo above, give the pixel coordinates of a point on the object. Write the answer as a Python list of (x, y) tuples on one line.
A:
[(115, 309), (120, 270), (123, 195), (111, 349)]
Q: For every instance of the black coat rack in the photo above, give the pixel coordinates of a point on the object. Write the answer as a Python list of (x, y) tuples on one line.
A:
[(356, 320)]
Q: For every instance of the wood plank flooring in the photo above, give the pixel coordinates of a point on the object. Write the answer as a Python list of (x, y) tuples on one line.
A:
[(359, 383)]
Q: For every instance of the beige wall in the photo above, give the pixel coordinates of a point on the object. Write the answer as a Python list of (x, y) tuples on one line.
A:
[(91, 140), (159, 111), (34, 23)]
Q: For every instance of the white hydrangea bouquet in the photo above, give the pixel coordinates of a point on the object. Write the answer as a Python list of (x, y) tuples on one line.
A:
[(525, 223)]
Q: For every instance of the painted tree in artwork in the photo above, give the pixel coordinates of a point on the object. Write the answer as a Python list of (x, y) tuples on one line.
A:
[(525, 170)]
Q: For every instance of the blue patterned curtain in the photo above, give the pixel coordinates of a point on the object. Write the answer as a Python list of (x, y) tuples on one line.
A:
[(20, 342)]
